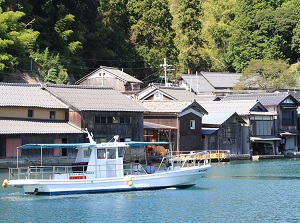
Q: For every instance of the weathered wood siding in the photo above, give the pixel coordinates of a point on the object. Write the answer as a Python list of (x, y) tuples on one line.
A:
[(105, 131), (190, 139), (105, 82), (162, 120), (75, 119)]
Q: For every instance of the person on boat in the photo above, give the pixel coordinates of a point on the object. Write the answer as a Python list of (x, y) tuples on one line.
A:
[(137, 167), (169, 166), (150, 168)]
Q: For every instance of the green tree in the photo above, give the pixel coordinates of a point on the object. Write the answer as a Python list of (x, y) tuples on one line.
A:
[(267, 75), (16, 40), (151, 31), (217, 19), (188, 34), (261, 31), (50, 68)]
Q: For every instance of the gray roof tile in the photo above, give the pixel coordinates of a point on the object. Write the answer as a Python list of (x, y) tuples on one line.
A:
[(174, 93), (36, 127), (266, 99), (221, 80), (27, 95), (169, 106), (93, 98), (240, 107)]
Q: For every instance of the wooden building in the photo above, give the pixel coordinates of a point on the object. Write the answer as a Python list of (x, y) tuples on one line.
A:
[(174, 121), (102, 110), (111, 77), (29, 114), (283, 126)]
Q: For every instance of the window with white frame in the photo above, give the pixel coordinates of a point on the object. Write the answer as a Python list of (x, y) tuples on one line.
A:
[(192, 124)]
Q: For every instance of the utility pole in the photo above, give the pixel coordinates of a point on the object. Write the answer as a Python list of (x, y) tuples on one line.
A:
[(165, 66)]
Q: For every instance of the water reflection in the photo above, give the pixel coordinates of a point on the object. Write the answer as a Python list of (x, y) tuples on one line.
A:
[(244, 191)]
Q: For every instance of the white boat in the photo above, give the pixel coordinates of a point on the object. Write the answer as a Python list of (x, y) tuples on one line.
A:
[(100, 168)]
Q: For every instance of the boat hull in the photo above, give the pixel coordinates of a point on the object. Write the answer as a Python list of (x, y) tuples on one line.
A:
[(182, 178)]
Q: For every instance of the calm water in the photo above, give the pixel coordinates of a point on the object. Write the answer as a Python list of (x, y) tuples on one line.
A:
[(244, 191)]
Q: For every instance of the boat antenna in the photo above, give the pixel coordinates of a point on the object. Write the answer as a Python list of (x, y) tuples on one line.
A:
[(90, 136)]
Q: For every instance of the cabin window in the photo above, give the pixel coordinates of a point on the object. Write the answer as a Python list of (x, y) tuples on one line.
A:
[(52, 114), (111, 154), (121, 152), (101, 153), (192, 124), (87, 153), (30, 114)]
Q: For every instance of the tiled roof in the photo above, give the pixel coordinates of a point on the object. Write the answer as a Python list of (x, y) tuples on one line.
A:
[(113, 71), (217, 118), (208, 82), (221, 80), (169, 106), (240, 107), (27, 95), (264, 98), (93, 98), (36, 127), (175, 93), (198, 83)]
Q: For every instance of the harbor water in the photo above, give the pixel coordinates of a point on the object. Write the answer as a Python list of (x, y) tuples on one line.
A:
[(239, 191)]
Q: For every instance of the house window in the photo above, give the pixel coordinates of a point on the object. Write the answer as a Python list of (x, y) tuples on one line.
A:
[(125, 120), (192, 124), (115, 119), (103, 120), (109, 120), (30, 114), (158, 96), (262, 128), (288, 117), (52, 114), (97, 119)]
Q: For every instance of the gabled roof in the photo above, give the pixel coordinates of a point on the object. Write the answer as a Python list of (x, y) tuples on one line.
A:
[(173, 93), (36, 127), (212, 81), (27, 95), (198, 83), (240, 107), (119, 74), (220, 118), (266, 99), (174, 107), (221, 80), (93, 98)]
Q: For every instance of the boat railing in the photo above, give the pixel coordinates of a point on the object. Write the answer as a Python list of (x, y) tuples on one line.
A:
[(185, 159), (48, 172), (219, 154)]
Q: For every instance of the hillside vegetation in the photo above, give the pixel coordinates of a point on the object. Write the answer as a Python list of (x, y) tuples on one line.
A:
[(63, 38)]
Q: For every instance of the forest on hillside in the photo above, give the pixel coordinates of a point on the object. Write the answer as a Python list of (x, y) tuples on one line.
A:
[(59, 38)]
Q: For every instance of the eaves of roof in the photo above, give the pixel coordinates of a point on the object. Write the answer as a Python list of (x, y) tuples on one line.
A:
[(28, 95), (113, 71), (37, 127), (93, 98)]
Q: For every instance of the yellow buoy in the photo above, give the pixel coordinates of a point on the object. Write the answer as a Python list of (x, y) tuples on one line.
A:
[(130, 183), (5, 182)]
